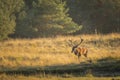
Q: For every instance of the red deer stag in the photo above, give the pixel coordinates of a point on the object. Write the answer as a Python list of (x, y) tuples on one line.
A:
[(77, 50)]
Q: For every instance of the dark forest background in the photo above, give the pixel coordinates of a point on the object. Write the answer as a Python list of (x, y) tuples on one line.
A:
[(47, 18)]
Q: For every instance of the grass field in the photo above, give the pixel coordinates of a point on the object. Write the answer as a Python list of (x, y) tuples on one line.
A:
[(51, 58)]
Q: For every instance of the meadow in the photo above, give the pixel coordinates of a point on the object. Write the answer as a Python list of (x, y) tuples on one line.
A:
[(51, 58)]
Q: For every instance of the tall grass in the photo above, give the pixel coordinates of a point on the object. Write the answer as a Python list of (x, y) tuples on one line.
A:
[(21, 77), (56, 51)]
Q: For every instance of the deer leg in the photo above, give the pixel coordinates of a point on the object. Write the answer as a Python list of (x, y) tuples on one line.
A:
[(85, 55), (79, 57), (88, 59)]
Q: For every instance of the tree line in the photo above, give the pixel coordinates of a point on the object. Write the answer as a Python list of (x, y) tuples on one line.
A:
[(96, 16), (46, 18)]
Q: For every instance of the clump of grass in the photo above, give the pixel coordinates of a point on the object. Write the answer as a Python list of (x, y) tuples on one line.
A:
[(89, 73)]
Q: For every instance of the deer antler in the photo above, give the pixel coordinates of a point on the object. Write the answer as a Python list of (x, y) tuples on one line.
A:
[(79, 43), (70, 43), (81, 40), (73, 43)]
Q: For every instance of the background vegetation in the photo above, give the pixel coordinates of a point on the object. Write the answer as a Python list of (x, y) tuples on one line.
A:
[(46, 18), (101, 16)]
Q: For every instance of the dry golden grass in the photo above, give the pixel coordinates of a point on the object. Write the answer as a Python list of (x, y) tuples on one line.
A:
[(21, 77), (55, 51)]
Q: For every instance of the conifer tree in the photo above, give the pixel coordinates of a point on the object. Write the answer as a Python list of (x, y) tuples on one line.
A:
[(45, 18), (8, 10)]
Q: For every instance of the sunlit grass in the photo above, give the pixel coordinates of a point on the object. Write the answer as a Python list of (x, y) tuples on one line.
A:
[(55, 51), (55, 54), (49, 77)]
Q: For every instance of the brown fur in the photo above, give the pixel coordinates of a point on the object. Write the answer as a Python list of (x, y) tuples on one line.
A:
[(80, 51), (77, 50)]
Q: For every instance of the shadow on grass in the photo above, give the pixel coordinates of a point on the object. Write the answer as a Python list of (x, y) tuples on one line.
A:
[(103, 67)]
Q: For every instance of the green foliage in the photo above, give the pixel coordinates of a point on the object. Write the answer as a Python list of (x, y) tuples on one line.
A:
[(41, 18), (8, 8), (102, 16), (45, 18)]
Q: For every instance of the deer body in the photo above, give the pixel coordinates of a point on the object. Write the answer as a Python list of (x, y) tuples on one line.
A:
[(78, 51)]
